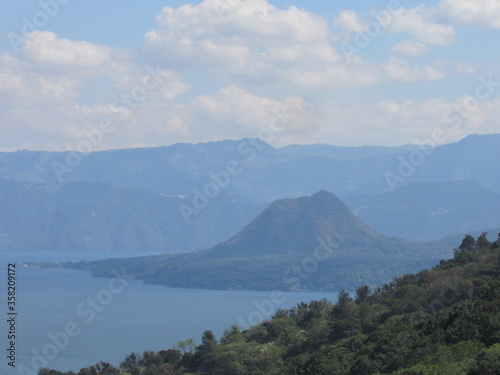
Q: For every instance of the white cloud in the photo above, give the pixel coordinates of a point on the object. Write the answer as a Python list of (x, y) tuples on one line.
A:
[(386, 122), (391, 122), (231, 112), (472, 12), (402, 70), (13, 87), (253, 43), (242, 40), (420, 24), (411, 48), (465, 68), (55, 88), (348, 22), (245, 25), (21, 88), (47, 49), (336, 78), (245, 112)]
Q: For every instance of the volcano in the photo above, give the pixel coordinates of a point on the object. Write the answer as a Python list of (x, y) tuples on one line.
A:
[(306, 243)]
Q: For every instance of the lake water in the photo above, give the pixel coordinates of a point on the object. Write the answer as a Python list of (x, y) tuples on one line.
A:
[(68, 320)]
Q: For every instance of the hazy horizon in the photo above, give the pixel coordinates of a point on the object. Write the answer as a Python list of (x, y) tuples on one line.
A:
[(275, 147)]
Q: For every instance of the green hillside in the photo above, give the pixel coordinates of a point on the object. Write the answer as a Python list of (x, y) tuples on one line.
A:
[(443, 321)]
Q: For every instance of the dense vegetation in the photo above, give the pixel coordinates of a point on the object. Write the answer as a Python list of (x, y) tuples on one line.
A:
[(440, 321)]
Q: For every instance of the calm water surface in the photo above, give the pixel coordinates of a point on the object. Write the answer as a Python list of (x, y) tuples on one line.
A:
[(68, 320)]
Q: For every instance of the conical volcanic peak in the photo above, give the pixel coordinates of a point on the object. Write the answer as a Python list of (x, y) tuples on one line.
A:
[(276, 251), (294, 226)]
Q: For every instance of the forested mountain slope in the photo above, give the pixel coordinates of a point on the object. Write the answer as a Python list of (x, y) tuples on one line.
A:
[(439, 321)]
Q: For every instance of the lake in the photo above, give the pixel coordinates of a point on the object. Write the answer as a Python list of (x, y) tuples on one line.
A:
[(68, 320)]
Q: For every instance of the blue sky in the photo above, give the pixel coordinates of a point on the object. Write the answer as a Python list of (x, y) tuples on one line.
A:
[(346, 73)]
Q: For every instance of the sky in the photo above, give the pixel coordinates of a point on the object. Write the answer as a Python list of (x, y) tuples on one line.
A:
[(94, 75)]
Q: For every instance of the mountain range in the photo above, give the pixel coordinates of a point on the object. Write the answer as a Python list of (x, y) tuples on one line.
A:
[(424, 211), (187, 197), (266, 173), (97, 216)]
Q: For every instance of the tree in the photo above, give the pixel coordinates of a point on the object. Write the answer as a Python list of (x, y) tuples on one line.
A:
[(46, 371), (131, 364), (465, 252), (362, 293), (468, 243), (232, 335), (103, 368), (482, 242), (489, 362), (185, 346), (208, 343), (340, 307)]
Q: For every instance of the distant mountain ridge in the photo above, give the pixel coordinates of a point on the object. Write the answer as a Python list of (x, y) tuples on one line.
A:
[(267, 173), (97, 216), (263, 174), (344, 153), (425, 211)]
